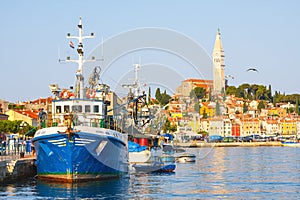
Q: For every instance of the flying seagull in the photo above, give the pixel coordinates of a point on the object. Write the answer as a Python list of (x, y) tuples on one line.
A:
[(252, 69)]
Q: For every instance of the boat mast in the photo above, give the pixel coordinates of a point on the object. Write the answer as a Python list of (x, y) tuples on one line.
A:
[(79, 89)]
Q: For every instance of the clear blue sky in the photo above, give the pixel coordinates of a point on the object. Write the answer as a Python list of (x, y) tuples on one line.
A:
[(261, 34)]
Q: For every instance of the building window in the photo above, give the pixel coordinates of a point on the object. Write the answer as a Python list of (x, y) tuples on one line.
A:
[(77, 108), (67, 109), (87, 108), (58, 109), (96, 109)]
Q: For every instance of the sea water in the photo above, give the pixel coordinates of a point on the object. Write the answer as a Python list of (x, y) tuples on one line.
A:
[(218, 173)]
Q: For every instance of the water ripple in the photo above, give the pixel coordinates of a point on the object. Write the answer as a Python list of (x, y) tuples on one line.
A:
[(219, 173)]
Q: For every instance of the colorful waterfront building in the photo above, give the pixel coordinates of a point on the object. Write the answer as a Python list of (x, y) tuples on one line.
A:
[(216, 126), (220, 126), (288, 127), (250, 126), (271, 126), (194, 123), (236, 130), (204, 125)]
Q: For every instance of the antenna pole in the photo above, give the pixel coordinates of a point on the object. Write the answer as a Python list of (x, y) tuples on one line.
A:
[(79, 90)]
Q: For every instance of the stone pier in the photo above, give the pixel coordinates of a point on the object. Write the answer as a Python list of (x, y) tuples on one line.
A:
[(13, 170)]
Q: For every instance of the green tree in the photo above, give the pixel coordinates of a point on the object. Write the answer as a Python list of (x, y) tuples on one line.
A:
[(167, 127), (158, 95), (231, 90), (199, 92), (210, 95), (7, 126), (218, 109), (260, 105), (270, 93), (290, 110), (15, 106), (253, 89), (245, 108), (173, 128), (165, 98), (262, 92), (149, 96), (244, 90), (197, 107), (297, 106)]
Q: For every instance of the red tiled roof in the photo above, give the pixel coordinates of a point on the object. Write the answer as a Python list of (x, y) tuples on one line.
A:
[(29, 113), (198, 80), (42, 100)]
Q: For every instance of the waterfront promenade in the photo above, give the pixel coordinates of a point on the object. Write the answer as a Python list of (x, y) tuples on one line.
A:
[(199, 144)]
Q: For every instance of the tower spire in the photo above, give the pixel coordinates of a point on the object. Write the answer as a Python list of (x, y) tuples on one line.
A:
[(219, 65)]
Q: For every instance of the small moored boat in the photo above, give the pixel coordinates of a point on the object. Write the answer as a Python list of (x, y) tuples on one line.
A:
[(186, 157), (291, 144), (154, 167)]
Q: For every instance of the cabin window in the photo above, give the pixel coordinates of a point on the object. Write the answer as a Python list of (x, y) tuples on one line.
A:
[(67, 109), (87, 108), (96, 109), (77, 108), (58, 109)]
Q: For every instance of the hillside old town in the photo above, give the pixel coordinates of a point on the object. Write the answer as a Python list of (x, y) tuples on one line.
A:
[(202, 107)]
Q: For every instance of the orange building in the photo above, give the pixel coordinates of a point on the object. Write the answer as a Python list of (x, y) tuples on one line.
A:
[(188, 85)]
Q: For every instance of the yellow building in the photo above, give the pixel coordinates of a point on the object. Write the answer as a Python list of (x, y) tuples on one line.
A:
[(176, 115), (194, 124), (250, 126), (288, 127), (281, 112), (208, 109), (28, 116)]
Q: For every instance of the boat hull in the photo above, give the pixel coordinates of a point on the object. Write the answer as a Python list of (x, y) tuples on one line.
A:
[(291, 144), (86, 155), (154, 167), (139, 157), (184, 158)]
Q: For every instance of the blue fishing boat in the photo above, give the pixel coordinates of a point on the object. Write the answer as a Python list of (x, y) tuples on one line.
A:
[(82, 142)]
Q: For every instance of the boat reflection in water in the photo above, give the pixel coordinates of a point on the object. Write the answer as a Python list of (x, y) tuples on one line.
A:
[(112, 188)]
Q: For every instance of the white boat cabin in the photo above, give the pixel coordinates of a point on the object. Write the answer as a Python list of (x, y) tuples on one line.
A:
[(88, 111), (85, 112)]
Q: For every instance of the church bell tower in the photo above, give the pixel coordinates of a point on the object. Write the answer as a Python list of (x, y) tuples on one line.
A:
[(219, 66)]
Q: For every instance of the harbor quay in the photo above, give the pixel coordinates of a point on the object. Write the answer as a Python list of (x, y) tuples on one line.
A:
[(16, 163), (14, 168), (201, 144)]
